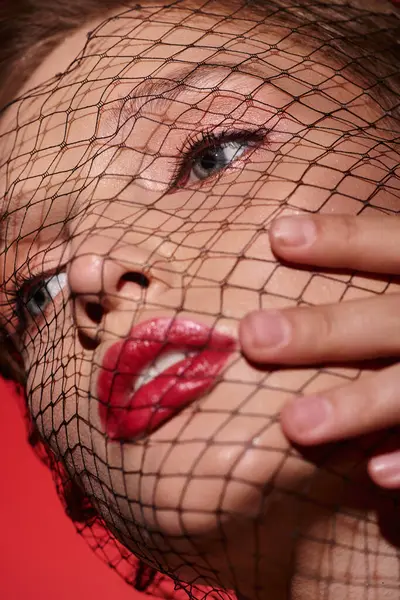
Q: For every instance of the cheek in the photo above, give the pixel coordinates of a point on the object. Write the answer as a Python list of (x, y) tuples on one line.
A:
[(57, 380)]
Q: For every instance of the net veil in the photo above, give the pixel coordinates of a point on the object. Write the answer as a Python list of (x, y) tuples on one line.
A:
[(141, 166)]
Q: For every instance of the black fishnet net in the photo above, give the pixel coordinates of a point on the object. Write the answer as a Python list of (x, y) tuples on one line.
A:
[(141, 168)]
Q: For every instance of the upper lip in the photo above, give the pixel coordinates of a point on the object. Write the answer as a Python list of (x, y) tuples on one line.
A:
[(126, 412)]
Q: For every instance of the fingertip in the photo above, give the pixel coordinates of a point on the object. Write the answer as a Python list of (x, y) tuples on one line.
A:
[(384, 470), (251, 337), (292, 233), (263, 334), (307, 420), (288, 424), (246, 332)]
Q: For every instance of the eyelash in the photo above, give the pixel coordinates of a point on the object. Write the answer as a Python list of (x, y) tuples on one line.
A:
[(23, 285), (209, 139)]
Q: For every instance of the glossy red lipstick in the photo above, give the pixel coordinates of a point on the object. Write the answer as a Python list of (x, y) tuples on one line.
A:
[(135, 397)]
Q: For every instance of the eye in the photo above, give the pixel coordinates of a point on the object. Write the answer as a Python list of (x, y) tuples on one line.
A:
[(214, 153), (216, 158), (38, 296)]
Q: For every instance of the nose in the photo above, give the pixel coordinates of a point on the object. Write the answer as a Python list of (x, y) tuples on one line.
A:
[(119, 280)]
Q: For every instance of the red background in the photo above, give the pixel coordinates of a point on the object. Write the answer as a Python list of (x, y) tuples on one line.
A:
[(41, 556)]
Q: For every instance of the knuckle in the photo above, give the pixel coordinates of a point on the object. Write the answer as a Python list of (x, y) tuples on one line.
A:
[(348, 228), (313, 329), (325, 326), (386, 389)]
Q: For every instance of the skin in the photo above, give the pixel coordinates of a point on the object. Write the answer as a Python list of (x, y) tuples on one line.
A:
[(216, 496)]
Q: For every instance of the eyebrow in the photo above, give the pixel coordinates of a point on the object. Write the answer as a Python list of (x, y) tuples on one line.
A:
[(8, 220), (203, 77), (3, 216)]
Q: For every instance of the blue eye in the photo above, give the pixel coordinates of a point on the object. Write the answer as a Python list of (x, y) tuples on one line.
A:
[(216, 159), (213, 153), (41, 294)]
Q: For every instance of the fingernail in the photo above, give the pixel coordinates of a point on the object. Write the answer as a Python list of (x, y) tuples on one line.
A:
[(266, 330), (294, 231), (385, 469), (308, 415)]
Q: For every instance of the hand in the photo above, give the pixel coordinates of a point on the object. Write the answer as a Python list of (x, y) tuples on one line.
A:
[(353, 330)]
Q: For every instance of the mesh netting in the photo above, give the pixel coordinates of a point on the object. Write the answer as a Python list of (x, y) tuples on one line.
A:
[(141, 166)]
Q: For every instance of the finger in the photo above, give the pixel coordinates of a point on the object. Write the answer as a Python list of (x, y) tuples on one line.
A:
[(369, 404), (362, 243), (353, 330), (384, 470)]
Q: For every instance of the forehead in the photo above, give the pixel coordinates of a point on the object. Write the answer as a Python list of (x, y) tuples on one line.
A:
[(133, 44)]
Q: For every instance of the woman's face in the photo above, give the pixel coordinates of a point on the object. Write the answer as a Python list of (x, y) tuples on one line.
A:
[(141, 171)]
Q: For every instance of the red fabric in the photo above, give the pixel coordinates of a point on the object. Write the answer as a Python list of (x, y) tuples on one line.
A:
[(41, 556)]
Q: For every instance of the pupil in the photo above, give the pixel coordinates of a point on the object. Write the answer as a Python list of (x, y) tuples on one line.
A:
[(40, 297), (209, 160)]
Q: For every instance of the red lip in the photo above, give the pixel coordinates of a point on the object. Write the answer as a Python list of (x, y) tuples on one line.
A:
[(128, 414)]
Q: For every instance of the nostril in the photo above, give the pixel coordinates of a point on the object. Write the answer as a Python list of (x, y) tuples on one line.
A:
[(134, 277), (87, 342), (95, 312)]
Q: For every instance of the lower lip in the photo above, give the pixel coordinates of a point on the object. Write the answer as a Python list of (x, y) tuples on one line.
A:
[(127, 414)]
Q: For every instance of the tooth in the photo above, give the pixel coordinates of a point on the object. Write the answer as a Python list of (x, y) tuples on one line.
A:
[(158, 366)]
